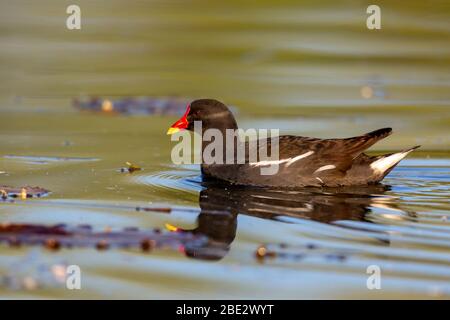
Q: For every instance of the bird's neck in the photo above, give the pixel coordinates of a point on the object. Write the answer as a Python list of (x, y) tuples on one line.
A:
[(221, 127)]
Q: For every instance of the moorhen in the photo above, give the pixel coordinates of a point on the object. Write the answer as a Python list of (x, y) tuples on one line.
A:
[(303, 161)]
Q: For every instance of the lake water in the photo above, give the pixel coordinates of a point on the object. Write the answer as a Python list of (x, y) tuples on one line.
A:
[(306, 68)]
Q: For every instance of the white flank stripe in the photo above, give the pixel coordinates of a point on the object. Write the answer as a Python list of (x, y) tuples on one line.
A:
[(302, 156), (267, 162), (288, 161), (383, 164), (327, 167)]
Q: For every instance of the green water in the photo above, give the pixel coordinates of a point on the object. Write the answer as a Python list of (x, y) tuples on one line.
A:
[(299, 66)]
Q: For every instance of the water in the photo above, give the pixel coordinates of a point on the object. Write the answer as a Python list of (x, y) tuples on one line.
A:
[(305, 68)]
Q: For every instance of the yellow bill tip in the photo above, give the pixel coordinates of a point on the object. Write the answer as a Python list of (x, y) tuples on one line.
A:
[(172, 130)]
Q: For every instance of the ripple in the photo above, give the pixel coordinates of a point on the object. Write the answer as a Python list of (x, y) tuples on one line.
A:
[(48, 159), (185, 178)]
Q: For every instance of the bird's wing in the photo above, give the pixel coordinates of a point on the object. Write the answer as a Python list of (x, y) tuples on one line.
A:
[(325, 157)]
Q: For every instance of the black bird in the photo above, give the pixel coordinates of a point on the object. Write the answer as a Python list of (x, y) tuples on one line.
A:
[(302, 161)]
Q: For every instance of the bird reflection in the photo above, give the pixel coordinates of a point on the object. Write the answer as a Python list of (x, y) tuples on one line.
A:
[(221, 203)]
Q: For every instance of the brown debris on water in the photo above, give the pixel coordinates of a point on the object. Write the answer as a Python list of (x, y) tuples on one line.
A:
[(147, 245), (130, 168), (8, 192), (150, 209), (262, 253), (102, 245), (296, 253), (13, 242), (52, 244), (23, 194), (61, 236), (133, 105)]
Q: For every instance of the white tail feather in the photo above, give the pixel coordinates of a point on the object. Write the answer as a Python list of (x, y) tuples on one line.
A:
[(382, 165)]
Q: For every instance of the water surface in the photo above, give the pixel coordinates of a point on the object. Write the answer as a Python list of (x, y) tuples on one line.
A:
[(305, 68)]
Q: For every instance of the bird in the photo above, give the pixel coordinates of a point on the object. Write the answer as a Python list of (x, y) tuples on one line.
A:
[(302, 161)]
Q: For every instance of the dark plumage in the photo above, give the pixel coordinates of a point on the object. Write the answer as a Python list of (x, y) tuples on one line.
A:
[(303, 161)]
